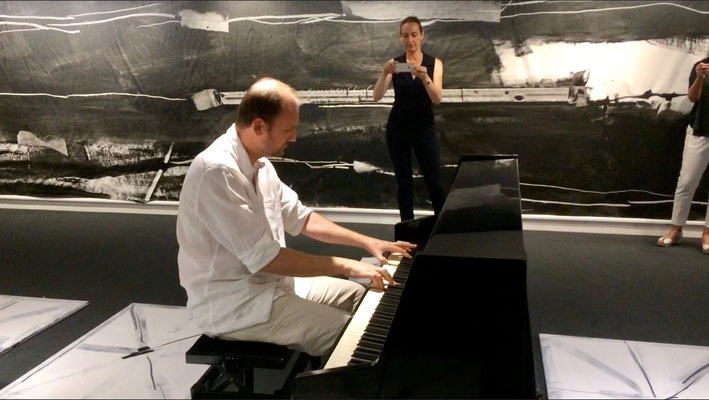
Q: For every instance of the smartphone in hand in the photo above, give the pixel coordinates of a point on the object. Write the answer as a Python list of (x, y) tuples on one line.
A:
[(404, 67)]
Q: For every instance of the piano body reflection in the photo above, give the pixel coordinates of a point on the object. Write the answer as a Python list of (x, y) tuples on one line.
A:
[(458, 325)]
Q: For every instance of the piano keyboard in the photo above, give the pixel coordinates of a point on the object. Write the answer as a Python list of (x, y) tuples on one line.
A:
[(365, 335)]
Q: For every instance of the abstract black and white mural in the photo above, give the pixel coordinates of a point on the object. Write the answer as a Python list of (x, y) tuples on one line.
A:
[(112, 99)]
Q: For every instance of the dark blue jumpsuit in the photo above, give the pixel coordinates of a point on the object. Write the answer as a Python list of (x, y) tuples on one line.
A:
[(411, 126)]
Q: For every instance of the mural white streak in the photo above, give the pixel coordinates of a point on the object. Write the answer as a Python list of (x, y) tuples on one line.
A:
[(116, 19), (607, 9)]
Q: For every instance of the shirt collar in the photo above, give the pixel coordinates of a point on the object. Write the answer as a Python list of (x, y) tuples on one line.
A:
[(242, 157)]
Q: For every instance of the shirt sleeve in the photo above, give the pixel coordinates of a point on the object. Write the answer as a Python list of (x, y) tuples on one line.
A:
[(293, 211), (224, 208)]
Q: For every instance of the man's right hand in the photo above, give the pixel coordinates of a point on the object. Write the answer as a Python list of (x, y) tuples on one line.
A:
[(358, 269), (702, 70)]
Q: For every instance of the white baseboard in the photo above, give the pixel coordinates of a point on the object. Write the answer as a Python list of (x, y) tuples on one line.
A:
[(532, 222)]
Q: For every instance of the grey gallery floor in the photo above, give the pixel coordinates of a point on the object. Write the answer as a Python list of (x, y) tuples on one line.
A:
[(98, 286)]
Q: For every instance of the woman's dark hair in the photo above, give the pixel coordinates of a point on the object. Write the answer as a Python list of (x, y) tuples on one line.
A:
[(410, 19)]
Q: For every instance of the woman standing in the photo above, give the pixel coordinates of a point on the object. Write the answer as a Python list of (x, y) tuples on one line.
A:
[(411, 124), (695, 157)]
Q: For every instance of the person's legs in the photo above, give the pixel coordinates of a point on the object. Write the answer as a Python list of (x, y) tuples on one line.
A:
[(299, 324), (705, 232), (426, 148), (335, 292), (694, 162), (399, 146)]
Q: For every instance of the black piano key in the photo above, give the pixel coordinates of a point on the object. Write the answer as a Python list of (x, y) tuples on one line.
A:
[(385, 309), (380, 321), (382, 318), (379, 325), (368, 347), (401, 272), (356, 361), (365, 356), (389, 302), (371, 347), (384, 312), (373, 338), (367, 352), (377, 330), (363, 351), (384, 323), (374, 335), (373, 342)]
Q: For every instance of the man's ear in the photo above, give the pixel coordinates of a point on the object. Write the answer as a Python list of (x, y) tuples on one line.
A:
[(258, 125)]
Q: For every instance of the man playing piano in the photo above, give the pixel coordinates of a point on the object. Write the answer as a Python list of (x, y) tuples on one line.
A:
[(242, 282)]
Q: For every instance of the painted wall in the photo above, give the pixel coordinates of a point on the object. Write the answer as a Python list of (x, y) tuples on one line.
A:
[(100, 99)]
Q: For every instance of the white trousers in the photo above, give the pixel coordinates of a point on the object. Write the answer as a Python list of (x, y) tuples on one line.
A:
[(309, 321), (695, 158)]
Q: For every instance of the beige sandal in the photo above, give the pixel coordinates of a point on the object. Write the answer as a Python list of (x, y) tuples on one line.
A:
[(667, 241)]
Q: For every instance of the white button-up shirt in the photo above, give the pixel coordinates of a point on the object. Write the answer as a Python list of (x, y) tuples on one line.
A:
[(228, 230)]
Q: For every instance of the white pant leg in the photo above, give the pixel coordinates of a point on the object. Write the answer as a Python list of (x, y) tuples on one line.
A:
[(695, 158), (706, 217), (310, 320), (335, 292), (298, 323)]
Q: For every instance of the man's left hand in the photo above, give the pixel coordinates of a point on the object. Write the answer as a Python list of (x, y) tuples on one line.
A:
[(378, 247)]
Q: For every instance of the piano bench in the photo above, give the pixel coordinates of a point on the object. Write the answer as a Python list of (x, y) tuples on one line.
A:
[(231, 374)]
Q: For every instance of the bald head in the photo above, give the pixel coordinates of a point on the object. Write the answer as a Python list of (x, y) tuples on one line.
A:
[(265, 99)]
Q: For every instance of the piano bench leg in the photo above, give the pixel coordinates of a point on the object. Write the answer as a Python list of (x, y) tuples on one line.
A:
[(287, 389), (234, 381)]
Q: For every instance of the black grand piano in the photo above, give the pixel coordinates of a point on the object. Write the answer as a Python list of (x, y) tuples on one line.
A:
[(458, 324)]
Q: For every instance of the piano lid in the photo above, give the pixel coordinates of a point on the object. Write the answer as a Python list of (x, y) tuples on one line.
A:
[(485, 190)]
